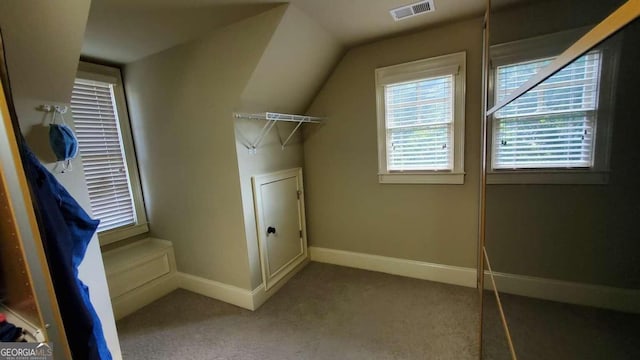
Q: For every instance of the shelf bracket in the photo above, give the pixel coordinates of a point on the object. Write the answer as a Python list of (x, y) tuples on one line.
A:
[(263, 133), (284, 144)]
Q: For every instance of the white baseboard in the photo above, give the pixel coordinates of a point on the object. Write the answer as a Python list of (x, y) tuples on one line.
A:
[(247, 299), (626, 300), (224, 292), (260, 296), (135, 299), (410, 268), (132, 300)]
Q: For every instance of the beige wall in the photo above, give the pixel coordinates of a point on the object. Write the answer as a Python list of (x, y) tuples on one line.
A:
[(268, 158), (582, 233), (181, 103), (347, 208), (43, 41), (293, 67)]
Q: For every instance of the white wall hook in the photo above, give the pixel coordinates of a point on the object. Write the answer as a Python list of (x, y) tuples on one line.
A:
[(60, 109)]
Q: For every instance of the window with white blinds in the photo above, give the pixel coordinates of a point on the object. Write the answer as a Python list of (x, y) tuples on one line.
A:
[(421, 121), (419, 124), (553, 125), (101, 149)]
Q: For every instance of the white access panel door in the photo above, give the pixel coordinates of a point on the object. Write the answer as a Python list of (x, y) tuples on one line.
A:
[(279, 204)]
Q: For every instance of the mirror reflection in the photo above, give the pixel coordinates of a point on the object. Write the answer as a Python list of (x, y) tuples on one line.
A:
[(562, 195)]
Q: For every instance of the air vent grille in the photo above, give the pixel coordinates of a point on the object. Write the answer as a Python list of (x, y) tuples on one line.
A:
[(421, 7), (405, 12)]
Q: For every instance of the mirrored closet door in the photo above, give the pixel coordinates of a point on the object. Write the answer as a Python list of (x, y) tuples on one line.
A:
[(562, 191)]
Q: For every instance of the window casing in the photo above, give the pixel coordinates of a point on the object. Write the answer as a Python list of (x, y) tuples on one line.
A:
[(559, 132), (106, 149), (421, 121)]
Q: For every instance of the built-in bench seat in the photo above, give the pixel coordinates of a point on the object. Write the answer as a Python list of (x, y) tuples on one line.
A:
[(139, 273)]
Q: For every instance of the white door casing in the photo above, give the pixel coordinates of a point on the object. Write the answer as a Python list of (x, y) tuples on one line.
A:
[(279, 207)]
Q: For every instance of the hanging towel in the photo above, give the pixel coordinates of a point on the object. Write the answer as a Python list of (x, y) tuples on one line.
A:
[(66, 230)]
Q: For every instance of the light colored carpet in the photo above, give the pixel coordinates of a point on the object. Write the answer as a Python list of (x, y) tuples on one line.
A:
[(324, 312), (551, 330)]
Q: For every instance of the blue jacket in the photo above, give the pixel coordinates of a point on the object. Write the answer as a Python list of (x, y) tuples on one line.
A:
[(66, 230)]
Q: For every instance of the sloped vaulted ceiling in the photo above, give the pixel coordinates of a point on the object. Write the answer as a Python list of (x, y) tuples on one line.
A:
[(122, 31), (293, 66), (125, 31), (43, 41)]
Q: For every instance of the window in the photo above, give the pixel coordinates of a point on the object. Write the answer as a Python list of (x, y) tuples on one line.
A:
[(558, 131), (552, 125), (421, 121), (106, 149)]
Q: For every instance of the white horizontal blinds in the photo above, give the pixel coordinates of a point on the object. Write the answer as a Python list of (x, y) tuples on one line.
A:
[(98, 132), (552, 125), (419, 124)]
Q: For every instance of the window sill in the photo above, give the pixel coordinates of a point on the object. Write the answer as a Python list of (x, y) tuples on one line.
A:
[(121, 233), (560, 177), (422, 178)]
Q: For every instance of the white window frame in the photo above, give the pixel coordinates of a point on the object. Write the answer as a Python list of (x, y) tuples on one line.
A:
[(95, 72), (452, 64), (544, 47)]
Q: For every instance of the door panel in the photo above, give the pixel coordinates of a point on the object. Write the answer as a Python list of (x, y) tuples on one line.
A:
[(280, 205)]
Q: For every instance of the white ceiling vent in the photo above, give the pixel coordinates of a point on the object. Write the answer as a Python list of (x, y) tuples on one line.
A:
[(405, 12)]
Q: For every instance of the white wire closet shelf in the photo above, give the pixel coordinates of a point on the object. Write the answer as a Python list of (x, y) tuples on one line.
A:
[(271, 119)]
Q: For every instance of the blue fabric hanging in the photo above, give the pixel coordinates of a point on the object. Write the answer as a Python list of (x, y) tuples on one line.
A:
[(63, 142), (66, 230), (62, 139)]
